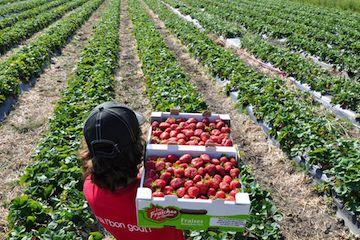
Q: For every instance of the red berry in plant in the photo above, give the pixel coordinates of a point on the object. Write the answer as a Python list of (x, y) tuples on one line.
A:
[(193, 192), (190, 172), (224, 187), (220, 194), (188, 183), (186, 158), (177, 182), (179, 172), (197, 162), (234, 173), (168, 190), (158, 194), (234, 184), (197, 178), (160, 183), (181, 192)]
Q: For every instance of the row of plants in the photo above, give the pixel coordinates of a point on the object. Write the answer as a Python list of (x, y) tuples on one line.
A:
[(20, 6), (295, 35), (167, 86), (10, 20), (3, 2), (13, 35), (295, 123), (159, 62), (53, 205), (337, 27), (30, 60), (343, 90)]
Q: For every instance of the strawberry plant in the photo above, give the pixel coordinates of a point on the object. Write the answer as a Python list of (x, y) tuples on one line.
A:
[(20, 6)]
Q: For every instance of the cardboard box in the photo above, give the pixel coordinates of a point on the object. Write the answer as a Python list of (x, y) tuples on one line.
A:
[(162, 116), (192, 214)]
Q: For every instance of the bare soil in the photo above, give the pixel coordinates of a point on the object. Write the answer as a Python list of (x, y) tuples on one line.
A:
[(306, 215), (24, 127)]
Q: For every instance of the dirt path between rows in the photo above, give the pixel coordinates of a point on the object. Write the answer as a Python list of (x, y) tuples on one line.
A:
[(32, 38), (306, 215), (130, 80), (24, 127)]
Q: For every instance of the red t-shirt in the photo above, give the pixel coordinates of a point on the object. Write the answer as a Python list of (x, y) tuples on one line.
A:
[(116, 211)]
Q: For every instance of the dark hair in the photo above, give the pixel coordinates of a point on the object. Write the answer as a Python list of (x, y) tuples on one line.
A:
[(112, 173)]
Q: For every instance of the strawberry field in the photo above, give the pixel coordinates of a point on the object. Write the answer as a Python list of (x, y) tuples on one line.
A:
[(286, 73)]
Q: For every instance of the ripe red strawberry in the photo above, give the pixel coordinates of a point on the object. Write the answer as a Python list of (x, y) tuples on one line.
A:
[(197, 178), (214, 184), (179, 120), (227, 179), (233, 192), (205, 157), (181, 192), (198, 132), (182, 124), (166, 176), (167, 165), (149, 165), (158, 194), (234, 173), (164, 136), (215, 139), (183, 165), (215, 161), (188, 133), (168, 130), (170, 120), (186, 158), (193, 192), (154, 125), (215, 132), (204, 136), (177, 182), (186, 196), (164, 125), (173, 133), (148, 182), (179, 172), (210, 169), (228, 166), (224, 159), (220, 194), (188, 183), (181, 136), (174, 126), (195, 138), (190, 172), (191, 120), (200, 125), (159, 165), (224, 187), (152, 174), (197, 162), (230, 198), (191, 126), (182, 141), (157, 133), (170, 170), (211, 192), (209, 142), (234, 184), (160, 183), (206, 121), (203, 197), (192, 142), (233, 161), (227, 143), (168, 190), (217, 177), (201, 171), (220, 170), (225, 130), (212, 125), (201, 143), (220, 124), (203, 187)]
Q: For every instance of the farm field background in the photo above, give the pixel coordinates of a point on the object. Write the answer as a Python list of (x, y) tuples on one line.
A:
[(286, 71)]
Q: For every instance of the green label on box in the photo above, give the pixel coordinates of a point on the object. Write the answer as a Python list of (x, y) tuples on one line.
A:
[(157, 216)]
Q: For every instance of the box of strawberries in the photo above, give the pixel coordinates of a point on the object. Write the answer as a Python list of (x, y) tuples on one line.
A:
[(190, 129), (193, 184)]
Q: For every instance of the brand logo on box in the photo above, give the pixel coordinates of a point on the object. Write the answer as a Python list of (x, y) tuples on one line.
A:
[(160, 214)]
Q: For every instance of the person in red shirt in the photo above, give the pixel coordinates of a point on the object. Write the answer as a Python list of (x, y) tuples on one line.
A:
[(115, 149)]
